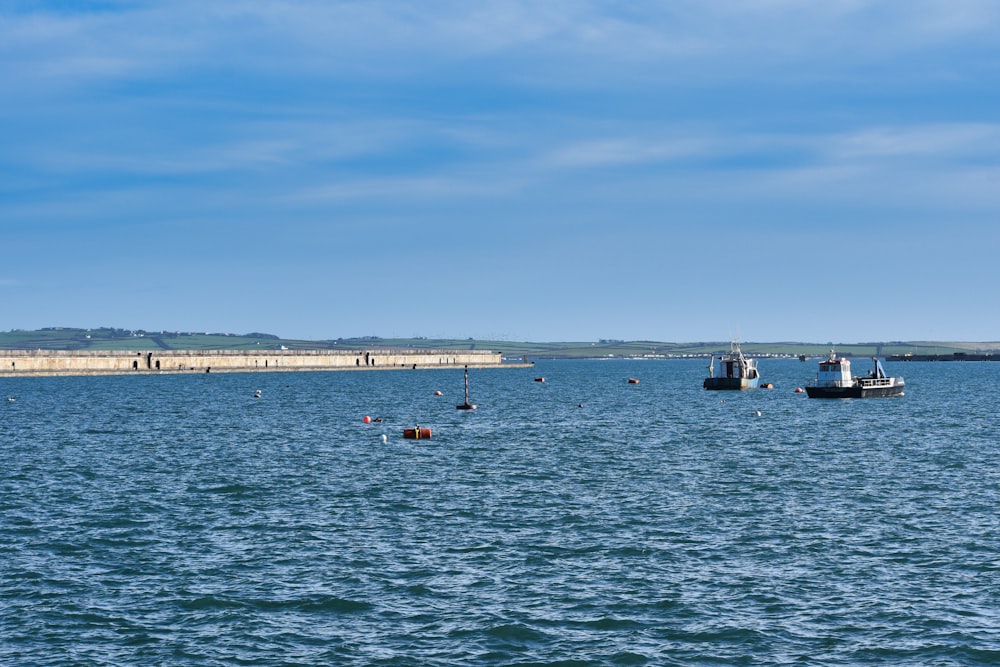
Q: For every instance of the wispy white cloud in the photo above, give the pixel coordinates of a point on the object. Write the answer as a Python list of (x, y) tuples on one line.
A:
[(196, 119), (151, 161), (561, 40), (625, 151), (942, 144), (445, 187), (938, 142), (284, 144)]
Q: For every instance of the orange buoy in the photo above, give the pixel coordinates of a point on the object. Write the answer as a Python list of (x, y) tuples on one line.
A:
[(367, 419), (798, 390), (417, 433), (767, 385)]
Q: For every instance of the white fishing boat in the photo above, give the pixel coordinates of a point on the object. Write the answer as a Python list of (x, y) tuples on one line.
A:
[(735, 371), (834, 380)]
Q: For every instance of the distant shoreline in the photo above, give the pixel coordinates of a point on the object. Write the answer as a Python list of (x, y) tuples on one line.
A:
[(955, 356), (140, 341)]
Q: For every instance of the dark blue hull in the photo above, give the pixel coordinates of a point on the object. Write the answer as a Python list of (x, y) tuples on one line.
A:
[(855, 392)]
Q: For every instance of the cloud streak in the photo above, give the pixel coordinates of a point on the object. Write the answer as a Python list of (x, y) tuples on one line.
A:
[(393, 40)]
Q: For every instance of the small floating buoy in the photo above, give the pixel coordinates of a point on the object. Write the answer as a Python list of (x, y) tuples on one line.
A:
[(367, 419), (539, 379), (755, 413), (417, 433), (256, 393), (767, 385), (11, 399), (438, 393), (385, 438), (799, 390), (633, 381)]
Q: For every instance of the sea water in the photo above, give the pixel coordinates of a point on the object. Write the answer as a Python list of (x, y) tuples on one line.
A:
[(584, 520)]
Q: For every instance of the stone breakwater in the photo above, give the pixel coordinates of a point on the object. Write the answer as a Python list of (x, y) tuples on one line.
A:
[(124, 362)]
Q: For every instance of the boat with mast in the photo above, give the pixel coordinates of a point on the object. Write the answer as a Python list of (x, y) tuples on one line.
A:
[(736, 371), (834, 380)]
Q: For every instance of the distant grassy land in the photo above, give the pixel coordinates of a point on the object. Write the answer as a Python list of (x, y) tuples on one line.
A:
[(65, 338)]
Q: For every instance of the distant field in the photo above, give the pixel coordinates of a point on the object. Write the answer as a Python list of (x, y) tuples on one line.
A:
[(121, 339)]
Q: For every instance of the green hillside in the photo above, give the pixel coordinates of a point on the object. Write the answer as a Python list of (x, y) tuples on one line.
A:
[(65, 338)]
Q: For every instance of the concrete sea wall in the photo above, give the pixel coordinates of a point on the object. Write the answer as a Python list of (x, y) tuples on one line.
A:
[(122, 362)]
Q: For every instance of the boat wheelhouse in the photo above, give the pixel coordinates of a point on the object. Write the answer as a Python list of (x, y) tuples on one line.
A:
[(834, 380), (736, 371)]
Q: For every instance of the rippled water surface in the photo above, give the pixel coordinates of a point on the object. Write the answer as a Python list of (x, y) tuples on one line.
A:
[(177, 520)]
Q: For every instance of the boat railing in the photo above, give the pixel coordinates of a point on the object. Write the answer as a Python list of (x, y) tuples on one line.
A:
[(877, 382)]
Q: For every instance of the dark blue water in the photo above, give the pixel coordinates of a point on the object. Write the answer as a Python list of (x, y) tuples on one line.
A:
[(177, 520)]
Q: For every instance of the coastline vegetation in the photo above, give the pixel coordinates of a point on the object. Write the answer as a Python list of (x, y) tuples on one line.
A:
[(106, 338)]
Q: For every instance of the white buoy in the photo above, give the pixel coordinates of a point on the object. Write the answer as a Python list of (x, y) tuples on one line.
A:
[(385, 438)]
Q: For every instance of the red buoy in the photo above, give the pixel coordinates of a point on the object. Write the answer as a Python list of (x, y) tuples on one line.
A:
[(798, 390), (367, 419)]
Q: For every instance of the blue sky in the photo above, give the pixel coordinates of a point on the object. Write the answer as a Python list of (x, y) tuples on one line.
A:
[(567, 170)]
